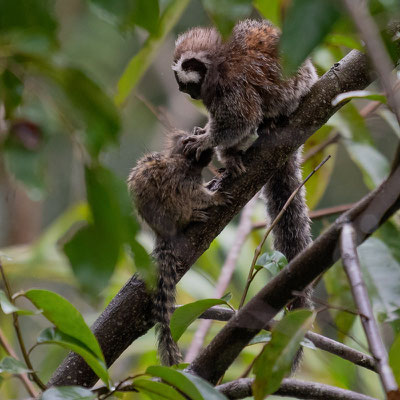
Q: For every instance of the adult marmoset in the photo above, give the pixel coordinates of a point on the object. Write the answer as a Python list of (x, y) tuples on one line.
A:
[(169, 194), (241, 83)]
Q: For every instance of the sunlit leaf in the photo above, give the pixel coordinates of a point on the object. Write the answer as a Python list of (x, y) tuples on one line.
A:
[(359, 94), (225, 13), (55, 336), (311, 19), (185, 315), (176, 379), (68, 393), (343, 40), (157, 390), (13, 366), (207, 391), (394, 358), (277, 356), (141, 61), (269, 9), (9, 307), (383, 272), (65, 317)]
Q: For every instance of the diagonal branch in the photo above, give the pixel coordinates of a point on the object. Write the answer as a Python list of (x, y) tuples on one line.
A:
[(366, 216), (241, 388), (353, 271), (128, 315)]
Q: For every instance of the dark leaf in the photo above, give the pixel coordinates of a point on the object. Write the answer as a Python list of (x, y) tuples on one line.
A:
[(11, 89)]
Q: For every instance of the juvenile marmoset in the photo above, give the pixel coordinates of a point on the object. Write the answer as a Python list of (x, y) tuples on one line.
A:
[(241, 83), (169, 194)]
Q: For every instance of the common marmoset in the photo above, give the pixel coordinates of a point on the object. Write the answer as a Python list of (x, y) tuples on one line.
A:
[(241, 83), (169, 194)]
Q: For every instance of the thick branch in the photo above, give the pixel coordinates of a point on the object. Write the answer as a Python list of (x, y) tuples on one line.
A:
[(366, 216), (360, 294), (127, 316), (241, 388)]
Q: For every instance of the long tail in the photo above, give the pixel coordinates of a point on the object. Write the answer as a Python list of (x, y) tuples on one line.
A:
[(292, 234), (165, 301)]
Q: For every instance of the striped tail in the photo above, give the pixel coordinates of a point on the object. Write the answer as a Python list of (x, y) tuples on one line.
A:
[(164, 303)]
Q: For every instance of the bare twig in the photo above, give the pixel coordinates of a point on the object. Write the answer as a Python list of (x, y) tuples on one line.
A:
[(333, 138), (360, 294), (24, 377), (241, 388), (225, 276), (17, 328), (257, 252), (322, 342)]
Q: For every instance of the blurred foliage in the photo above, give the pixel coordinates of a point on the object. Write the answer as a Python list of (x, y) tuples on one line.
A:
[(71, 126)]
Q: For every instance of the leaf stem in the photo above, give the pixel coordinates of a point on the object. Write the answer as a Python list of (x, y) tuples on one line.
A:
[(258, 249), (17, 328)]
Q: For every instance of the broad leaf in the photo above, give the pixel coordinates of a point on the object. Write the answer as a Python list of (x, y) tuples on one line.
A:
[(13, 366), (273, 262), (359, 94), (68, 393), (65, 317), (225, 13), (311, 19), (383, 273), (139, 63), (269, 9), (185, 315), (261, 338), (176, 379), (207, 391), (11, 89), (277, 356), (157, 390), (55, 336)]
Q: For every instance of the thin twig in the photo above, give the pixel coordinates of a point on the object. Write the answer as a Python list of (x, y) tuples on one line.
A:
[(257, 252), (219, 313), (333, 138), (241, 388), (10, 351), (33, 374), (352, 267), (225, 276)]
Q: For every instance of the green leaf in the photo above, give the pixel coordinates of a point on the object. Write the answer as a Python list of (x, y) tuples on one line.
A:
[(273, 262), (65, 317), (176, 379), (394, 358), (383, 275), (261, 338), (11, 89), (227, 296), (277, 356), (311, 19), (359, 94), (269, 9), (157, 390), (139, 63), (207, 391), (93, 254), (27, 167), (56, 336), (68, 393), (28, 17), (127, 13), (373, 165), (316, 187), (185, 315), (13, 366), (225, 13), (9, 307), (344, 40)]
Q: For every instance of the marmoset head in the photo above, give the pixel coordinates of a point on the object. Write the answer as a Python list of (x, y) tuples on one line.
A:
[(194, 51)]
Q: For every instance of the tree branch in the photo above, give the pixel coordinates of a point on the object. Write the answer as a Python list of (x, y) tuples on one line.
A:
[(128, 314), (241, 388), (360, 294), (366, 216)]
